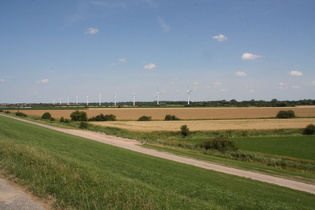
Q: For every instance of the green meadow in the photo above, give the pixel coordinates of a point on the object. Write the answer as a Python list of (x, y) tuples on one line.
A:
[(81, 174)]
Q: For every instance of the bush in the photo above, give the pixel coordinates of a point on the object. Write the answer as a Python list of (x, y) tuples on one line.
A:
[(20, 114), (1, 110), (84, 125), (145, 118), (309, 130), (46, 116), (101, 117), (7, 112), (62, 119), (285, 114), (170, 117), (67, 121), (78, 116), (52, 119), (219, 143), (184, 130)]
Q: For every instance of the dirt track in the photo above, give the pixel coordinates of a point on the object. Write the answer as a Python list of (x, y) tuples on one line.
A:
[(136, 146)]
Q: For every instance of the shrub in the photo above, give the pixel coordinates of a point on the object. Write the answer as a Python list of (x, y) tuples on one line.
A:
[(20, 114), (184, 130), (84, 125), (101, 117), (309, 130), (62, 119), (67, 121), (7, 112), (78, 116), (170, 117), (46, 116), (285, 114), (1, 110), (51, 119), (145, 118), (219, 143)]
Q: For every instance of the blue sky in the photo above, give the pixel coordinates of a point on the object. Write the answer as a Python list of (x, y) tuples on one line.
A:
[(220, 49)]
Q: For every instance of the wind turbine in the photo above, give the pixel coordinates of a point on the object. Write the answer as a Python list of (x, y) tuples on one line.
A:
[(60, 101), (158, 93), (54, 102), (115, 97), (77, 100), (68, 100), (87, 100), (134, 98), (100, 99), (188, 95)]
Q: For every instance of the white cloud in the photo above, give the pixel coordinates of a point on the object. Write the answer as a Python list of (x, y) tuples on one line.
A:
[(249, 56), (122, 60), (165, 27), (295, 87), (2, 80), (42, 81), (282, 85), (296, 73), (150, 66), (240, 74), (92, 31), (217, 83), (220, 38)]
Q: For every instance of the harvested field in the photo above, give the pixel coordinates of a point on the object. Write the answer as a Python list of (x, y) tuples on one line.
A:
[(184, 113), (208, 125)]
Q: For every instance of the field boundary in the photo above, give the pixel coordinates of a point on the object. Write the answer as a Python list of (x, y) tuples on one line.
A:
[(134, 145)]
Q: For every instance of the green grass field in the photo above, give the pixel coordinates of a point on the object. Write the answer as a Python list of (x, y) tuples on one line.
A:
[(82, 174), (301, 147)]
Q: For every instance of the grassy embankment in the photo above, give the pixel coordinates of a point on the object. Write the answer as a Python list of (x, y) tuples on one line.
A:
[(83, 174)]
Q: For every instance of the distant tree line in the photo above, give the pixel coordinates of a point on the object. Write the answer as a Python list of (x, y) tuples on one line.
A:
[(219, 103)]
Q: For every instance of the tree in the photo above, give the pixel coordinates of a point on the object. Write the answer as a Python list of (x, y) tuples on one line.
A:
[(46, 116), (170, 117), (285, 114), (309, 130), (145, 118), (184, 130), (78, 116)]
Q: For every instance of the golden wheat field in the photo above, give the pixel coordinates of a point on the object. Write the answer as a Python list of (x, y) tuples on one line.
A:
[(184, 113), (208, 125)]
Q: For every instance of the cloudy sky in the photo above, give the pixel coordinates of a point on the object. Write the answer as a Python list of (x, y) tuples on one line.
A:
[(219, 49)]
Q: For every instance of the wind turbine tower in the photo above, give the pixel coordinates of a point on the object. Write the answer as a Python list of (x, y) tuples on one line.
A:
[(188, 95), (158, 93), (87, 100), (100, 99), (68, 101), (134, 98), (115, 97), (77, 100), (60, 101)]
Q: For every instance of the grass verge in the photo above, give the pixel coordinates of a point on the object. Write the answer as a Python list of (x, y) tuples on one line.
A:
[(82, 174)]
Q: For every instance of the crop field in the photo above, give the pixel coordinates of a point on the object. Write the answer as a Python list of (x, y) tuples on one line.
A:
[(81, 174), (210, 125), (183, 113), (301, 147)]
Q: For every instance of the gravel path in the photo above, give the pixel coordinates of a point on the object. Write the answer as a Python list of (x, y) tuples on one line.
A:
[(12, 198), (136, 146)]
